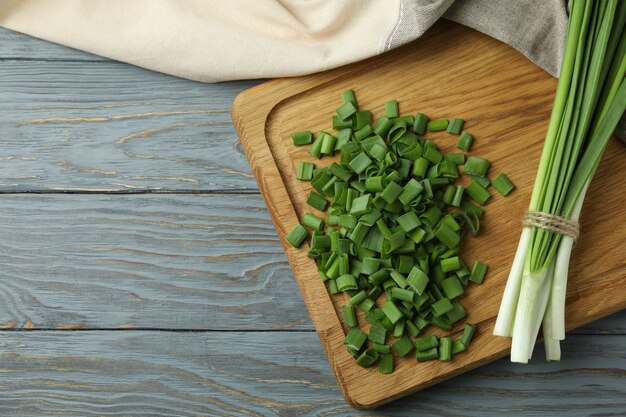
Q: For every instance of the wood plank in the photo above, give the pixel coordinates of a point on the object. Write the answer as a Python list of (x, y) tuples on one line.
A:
[(143, 261), (446, 73), (15, 45), (109, 126), (276, 374)]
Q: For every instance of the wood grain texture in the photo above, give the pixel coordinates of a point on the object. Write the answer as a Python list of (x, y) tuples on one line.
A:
[(20, 47), (109, 126), (143, 261), (93, 373), (445, 73)]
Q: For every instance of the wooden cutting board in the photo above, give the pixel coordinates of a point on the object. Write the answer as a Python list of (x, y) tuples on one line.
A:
[(506, 102)]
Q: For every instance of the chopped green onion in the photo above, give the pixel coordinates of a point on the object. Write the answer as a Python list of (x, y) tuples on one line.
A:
[(366, 305), (455, 158), (375, 184), (339, 172), (458, 195), (316, 148), (403, 346), (339, 123), (382, 126), (346, 282), (410, 191), (358, 298), (426, 343), (332, 287), (446, 235), (420, 123), (420, 167), (349, 316), (483, 181), (476, 166), (452, 287), (349, 96), (427, 355), (398, 279), (302, 138), (391, 311), (385, 365), (367, 358), (317, 201), (391, 192), (470, 208), (451, 264), (457, 347), (441, 307), (477, 193), (431, 216), (305, 171), (391, 109), (385, 349), (436, 125), (297, 235), (408, 221), (377, 334), (468, 333), (402, 294), (457, 313), (346, 110), (347, 221), (361, 205), (354, 341), (311, 221), (455, 126), (503, 184), (442, 322), (390, 228), (362, 119), (360, 162), (479, 270), (465, 141), (320, 242), (328, 144), (445, 349), (343, 137), (432, 154), (363, 132), (417, 280), (378, 277), (378, 152)]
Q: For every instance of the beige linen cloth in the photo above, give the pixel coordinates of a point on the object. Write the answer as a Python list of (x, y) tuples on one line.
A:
[(218, 40)]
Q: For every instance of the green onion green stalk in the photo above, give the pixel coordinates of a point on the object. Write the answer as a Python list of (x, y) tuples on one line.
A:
[(590, 100)]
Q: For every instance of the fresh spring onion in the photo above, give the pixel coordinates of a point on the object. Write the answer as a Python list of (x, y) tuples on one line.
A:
[(394, 222), (589, 101)]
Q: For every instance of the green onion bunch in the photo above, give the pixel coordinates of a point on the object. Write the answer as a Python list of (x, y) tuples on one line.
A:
[(590, 99), (389, 242)]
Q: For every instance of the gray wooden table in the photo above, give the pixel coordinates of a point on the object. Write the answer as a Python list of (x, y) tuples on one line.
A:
[(141, 275)]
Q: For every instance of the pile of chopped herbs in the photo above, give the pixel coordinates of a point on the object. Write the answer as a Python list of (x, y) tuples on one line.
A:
[(395, 218)]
